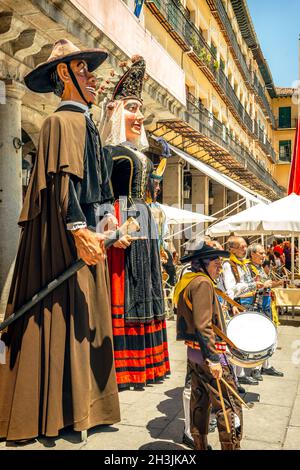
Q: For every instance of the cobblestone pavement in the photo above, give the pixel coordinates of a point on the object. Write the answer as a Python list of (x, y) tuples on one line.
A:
[(153, 419)]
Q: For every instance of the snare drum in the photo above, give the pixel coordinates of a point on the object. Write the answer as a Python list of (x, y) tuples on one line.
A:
[(254, 336)]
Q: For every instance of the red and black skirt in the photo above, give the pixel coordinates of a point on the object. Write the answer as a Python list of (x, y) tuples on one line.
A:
[(140, 347)]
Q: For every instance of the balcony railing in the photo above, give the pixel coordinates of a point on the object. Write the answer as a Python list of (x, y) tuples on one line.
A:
[(203, 121), (190, 37), (217, 5), (259, 89), (263, 141), (266, 145), (286, 125)]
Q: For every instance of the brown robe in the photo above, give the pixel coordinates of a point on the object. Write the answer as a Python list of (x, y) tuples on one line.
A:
[(59, 364)]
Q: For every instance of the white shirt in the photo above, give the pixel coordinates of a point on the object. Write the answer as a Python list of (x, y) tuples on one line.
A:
[(237, 289)]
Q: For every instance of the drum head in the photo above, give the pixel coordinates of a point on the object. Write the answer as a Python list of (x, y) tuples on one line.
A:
[(252, 332)]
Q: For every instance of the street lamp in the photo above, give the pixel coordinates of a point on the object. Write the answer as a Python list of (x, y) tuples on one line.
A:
[(186, 190)]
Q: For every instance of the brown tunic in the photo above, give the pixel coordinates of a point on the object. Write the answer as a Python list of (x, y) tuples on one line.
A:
[(196, 324), (59, 369)]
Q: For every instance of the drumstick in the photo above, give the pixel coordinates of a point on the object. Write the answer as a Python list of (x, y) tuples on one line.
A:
[(234, 393), (223, 406), (215, 392)]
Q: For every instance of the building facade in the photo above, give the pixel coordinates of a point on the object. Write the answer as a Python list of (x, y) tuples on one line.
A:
[(210, 93)]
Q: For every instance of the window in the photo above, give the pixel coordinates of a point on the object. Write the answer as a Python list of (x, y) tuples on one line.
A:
[(285, 151), (222, 64), (214, 49), (284, 117)]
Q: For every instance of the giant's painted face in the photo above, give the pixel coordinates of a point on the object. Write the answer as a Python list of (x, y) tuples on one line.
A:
[(86, 80), (133, 119)]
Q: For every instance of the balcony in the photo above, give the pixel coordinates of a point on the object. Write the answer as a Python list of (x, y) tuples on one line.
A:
[(286, 125), (172, 17), (265, 144), (203, 121), (265, 103), (219, 12)]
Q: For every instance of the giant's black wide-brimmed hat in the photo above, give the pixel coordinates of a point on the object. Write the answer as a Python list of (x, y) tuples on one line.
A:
[(204, 251), (39, 79)]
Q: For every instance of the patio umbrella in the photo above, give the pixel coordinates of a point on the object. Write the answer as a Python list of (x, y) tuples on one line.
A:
[(243, 223), (177, 216)]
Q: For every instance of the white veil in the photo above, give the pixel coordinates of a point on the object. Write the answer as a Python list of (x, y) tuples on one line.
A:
[(112, 126)]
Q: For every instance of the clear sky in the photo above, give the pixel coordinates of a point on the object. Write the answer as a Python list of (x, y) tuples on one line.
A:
[(277, 25)]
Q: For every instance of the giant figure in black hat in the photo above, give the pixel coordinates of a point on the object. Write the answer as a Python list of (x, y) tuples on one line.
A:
[(140, 340), (200, 323), (60, 368)]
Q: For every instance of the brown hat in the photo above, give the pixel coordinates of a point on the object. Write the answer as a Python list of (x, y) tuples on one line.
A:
[(39, 79)]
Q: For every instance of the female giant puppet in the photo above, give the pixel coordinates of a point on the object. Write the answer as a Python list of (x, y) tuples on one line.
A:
[(140, 341)]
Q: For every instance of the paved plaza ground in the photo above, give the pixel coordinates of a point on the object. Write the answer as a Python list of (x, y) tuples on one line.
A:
[(153, 419)]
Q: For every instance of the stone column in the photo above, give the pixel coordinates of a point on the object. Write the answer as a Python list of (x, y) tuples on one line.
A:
[(200, 196), (173, 183), (219, 202), (200, 192), (10, 184), (173, 192), (219, 195), (231, 198)]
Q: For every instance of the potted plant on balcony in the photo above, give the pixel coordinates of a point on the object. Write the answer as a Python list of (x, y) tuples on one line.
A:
[(216, 65), (195, 42), (205, 56)]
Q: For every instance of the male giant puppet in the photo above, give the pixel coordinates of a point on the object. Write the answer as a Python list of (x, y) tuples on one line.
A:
[(60, 369)]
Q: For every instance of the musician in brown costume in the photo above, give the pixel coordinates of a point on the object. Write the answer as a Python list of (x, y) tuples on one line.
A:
[(59, 368), (200, 323)]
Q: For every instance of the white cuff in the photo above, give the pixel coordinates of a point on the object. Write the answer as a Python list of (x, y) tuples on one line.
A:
[(76, 225)]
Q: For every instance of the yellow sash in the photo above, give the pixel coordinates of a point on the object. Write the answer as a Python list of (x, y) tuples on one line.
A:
[(184, 282)]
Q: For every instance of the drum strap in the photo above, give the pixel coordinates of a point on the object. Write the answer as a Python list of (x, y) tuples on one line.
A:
[(224, 337), (216, 330), (229, 300)]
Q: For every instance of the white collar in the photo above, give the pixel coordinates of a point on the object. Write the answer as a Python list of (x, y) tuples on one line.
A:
[(82, 106)]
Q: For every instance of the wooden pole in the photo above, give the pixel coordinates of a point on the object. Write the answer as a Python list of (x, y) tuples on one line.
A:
[(235, 393), (223, 406)]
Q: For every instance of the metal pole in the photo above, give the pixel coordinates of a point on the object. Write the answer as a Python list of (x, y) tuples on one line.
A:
[(298, 255), (131, 224), (293, 258)]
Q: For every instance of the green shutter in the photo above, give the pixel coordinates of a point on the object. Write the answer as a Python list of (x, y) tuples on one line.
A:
[(285, 117)]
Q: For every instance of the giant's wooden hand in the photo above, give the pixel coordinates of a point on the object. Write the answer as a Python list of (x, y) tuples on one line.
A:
[(89, 245)]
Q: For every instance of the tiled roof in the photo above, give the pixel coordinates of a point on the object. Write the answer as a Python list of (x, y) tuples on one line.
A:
[(285, 91)]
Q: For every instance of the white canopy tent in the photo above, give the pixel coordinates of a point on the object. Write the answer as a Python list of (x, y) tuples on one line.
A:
[(177, 216), (280, 217), (239, 224)]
